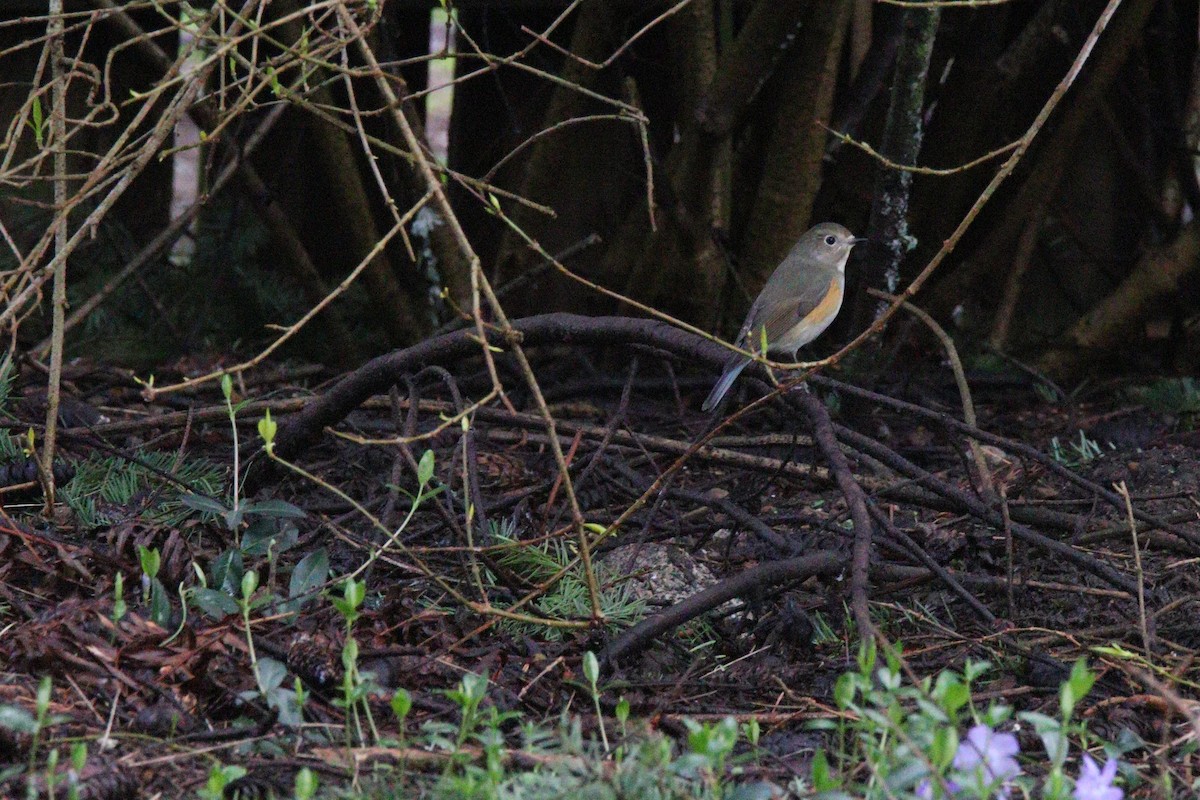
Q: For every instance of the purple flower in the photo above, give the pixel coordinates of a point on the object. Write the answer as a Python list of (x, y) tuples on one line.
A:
[(984, 760), (993, 751), (1096, 784), (986, 757), (925, 789)]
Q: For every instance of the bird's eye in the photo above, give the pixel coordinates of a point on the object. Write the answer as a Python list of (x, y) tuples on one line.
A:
[(831, 240)]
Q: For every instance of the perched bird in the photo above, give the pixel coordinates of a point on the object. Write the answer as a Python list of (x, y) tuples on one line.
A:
[(800, 299)]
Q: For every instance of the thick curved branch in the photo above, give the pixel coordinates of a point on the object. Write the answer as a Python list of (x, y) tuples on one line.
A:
[(380, 374)]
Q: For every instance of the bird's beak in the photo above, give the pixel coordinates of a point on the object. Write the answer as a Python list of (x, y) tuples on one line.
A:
[(858, 240)]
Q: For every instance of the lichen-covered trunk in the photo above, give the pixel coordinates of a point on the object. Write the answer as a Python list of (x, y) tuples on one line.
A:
[(902, 135)]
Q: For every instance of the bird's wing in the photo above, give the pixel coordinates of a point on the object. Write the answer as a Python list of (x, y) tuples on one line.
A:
[(781, 316)]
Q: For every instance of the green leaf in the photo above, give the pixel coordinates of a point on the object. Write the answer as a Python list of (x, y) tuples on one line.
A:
[(79, 753), (354, 592), (591, 668), (276, 88), (271, 673), (17, 719), (345, 609), (249, 584), (1082, 679), (822, 778), (221, 776), (474, 687), (39, 132), (866, 658), (258, 538), (233, 517), (945, 745), (1050, 731), (213, 603), (891, 657), (350, 653), (310, 573), (955, 697), (759, 790), (726, 733), (205, 504), (266, 430), (425, 468), (1067, 699), (820, 725), (160, 604), (227, 386), (753, 731), (150, 560), (1116, 651), (974, 669), (281, 509), (44, 690), (265, 535), (843, 690), (306, 784), (401, 704), (227, 571), (119, 608)]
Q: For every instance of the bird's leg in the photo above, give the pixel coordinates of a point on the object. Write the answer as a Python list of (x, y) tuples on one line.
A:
[(804, 384)]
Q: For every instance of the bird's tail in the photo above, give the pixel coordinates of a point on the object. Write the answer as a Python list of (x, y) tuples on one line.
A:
[(733, 368)]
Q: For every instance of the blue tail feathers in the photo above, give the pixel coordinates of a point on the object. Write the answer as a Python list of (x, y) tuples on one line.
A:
[(733, 368)]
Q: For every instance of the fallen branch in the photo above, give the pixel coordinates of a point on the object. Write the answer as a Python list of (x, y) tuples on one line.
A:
[(856, 501), (755, 579)]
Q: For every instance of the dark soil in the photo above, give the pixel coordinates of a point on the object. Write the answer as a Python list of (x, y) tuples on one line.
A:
[(168, 694)]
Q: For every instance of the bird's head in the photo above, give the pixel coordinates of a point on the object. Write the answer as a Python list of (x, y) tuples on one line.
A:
[(829, 243)]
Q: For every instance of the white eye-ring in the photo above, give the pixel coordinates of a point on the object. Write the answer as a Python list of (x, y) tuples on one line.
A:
[(831, 240)]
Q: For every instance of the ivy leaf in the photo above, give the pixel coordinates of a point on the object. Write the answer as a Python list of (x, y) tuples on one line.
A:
[(310, 573)]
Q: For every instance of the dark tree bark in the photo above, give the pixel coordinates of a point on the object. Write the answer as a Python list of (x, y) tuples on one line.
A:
[(585, 172), (346, 189), (793, 167), (1043, 174), (680, 253), (1112, 322), (902, 137)]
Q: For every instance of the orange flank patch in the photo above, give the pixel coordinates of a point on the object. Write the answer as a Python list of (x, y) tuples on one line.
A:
[(828, 306)]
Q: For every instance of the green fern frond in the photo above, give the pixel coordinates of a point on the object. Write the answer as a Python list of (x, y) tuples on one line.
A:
[(108, 489), (7, 376), (569, 599)]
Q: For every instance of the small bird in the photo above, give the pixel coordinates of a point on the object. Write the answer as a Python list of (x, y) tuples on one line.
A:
[(798, 303)]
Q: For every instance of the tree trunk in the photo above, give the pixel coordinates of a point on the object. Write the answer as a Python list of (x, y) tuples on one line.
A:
[(902, 136), (792, 171)]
